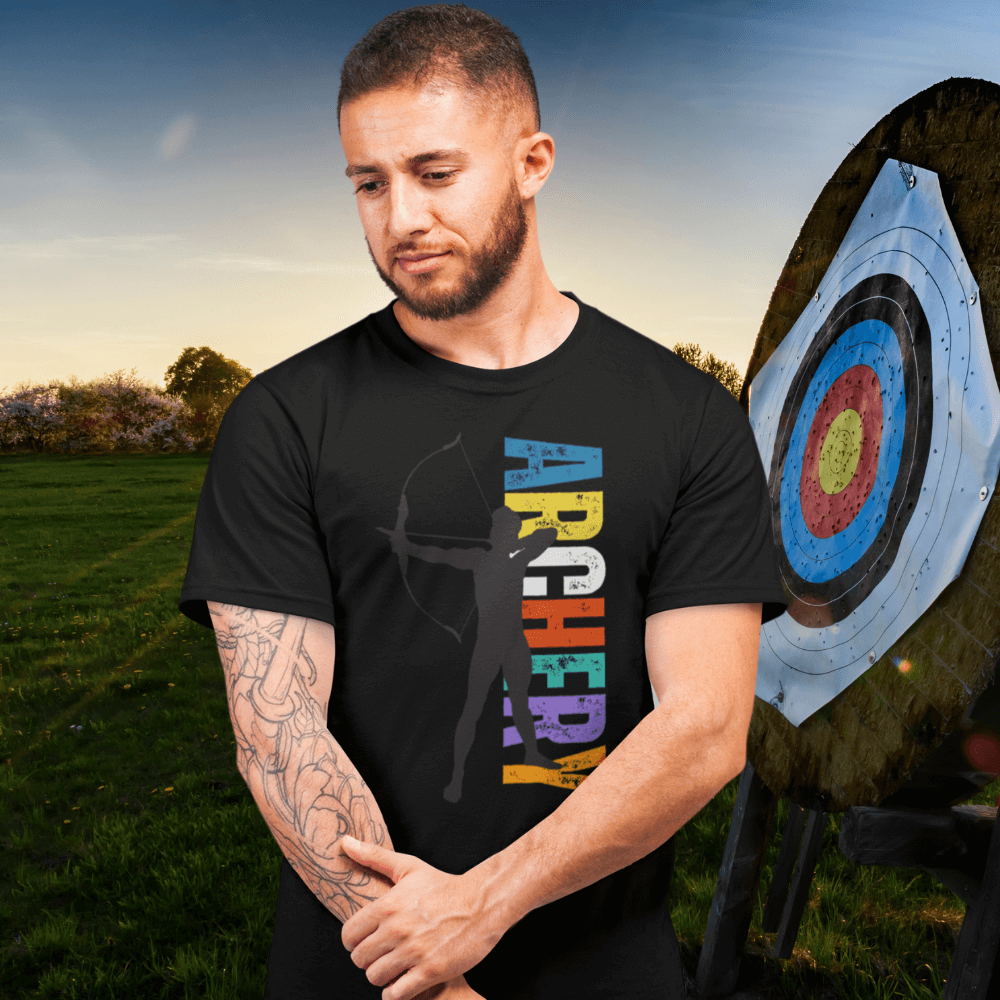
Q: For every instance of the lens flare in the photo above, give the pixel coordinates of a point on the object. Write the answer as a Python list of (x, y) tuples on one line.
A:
[(983, 751)]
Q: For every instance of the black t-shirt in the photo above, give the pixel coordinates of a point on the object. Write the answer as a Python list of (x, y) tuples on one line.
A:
[(638, 487)]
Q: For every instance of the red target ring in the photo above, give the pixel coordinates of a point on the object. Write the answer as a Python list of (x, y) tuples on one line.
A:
[(826, 513)]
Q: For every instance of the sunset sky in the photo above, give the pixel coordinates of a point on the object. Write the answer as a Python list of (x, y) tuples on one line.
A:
[(171, 175)]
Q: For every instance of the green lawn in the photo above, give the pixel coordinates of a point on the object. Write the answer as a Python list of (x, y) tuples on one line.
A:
[(134, 861)]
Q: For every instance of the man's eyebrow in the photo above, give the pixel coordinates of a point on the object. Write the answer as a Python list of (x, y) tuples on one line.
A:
[(413, 161)]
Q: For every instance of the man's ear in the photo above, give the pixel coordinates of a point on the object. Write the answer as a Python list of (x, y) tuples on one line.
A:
[(535, 156)]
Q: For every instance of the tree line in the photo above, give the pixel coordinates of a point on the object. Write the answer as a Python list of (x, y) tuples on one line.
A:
[(120, 412)]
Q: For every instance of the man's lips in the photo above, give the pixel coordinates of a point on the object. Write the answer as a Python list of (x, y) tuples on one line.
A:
[(415, 263)]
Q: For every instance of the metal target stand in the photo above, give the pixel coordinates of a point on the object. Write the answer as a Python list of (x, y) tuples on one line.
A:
[(959, 845)]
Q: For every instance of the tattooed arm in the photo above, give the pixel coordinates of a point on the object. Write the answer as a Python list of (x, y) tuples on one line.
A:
[(279, 673)]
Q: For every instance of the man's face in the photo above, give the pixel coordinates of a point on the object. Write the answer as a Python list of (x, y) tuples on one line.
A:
[(433, 175)]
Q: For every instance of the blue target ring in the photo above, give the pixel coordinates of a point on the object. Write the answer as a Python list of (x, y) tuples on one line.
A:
[(874, 343)]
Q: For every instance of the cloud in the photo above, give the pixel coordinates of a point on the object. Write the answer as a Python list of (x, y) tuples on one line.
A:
[(277, 266), (721, 319), (177, 138), (76, 247), (38, 157), (158, 244)]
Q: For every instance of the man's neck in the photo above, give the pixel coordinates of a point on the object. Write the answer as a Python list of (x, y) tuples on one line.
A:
[(522, 322)]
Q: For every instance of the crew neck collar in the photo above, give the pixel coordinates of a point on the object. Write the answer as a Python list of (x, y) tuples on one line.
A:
[(488, 380)]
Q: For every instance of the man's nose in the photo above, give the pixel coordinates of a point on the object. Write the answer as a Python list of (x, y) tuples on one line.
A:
[(409, 211)]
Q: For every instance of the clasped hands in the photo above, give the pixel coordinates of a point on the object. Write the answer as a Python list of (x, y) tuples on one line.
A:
[(428, 929)]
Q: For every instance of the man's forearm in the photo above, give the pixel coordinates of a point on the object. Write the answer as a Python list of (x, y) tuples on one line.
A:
[(645, 790), (310, 795), (308, 791)]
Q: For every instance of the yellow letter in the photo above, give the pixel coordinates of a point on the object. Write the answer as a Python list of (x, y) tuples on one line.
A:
[(547, 508)]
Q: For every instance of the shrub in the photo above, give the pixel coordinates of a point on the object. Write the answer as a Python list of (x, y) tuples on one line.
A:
[(118, 412), (30, 417)]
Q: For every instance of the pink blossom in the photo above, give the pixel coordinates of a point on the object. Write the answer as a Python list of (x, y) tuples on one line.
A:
[(117, 412)]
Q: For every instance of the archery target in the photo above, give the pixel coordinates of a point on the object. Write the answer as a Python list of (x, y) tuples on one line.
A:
[(877, 421)]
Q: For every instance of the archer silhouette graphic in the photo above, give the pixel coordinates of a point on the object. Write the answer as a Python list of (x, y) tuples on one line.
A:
[(498, 580)]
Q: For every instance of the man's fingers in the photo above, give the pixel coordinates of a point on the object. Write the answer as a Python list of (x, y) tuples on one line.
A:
[(408, 986), (372, 856), (387, 969), (364, 853), (355, 930)]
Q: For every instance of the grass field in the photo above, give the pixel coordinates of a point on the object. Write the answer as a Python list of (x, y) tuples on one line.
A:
[(134, 861)]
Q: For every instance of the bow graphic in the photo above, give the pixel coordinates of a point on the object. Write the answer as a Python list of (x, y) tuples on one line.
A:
[(399, 531)]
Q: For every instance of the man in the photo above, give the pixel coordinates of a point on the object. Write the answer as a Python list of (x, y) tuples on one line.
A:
[(353, 672)]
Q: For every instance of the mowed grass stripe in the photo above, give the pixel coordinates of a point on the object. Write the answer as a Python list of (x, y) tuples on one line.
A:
[(84, 572), (99, 687), (171, 580)]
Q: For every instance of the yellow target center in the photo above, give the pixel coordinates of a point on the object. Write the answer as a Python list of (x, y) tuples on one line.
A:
[(841, 452)]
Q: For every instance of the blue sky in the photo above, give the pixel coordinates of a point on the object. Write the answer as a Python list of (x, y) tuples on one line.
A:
[(171, 176)]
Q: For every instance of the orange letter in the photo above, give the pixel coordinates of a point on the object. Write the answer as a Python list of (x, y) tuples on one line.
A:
[(555, 612)]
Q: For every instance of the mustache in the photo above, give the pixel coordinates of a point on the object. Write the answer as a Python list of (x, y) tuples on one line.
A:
[(410, 247)]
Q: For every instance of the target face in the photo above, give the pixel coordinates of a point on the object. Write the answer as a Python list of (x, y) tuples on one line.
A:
[(851, 455), (877, 420)]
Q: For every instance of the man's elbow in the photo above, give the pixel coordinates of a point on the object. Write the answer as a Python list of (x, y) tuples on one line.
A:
[(734, 728), (731, 754), (737, 761)]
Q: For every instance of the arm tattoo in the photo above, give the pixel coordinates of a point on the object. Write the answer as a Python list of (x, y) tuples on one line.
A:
[(307, 789)]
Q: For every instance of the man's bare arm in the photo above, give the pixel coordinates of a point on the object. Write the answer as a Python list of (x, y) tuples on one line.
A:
[(703, 666), (279, 672)]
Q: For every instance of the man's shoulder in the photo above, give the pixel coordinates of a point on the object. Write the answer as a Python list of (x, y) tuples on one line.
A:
[(312, 387), (321, 365), (640, 355)]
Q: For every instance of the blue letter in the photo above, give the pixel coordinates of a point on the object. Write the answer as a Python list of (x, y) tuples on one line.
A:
[(586, 464)]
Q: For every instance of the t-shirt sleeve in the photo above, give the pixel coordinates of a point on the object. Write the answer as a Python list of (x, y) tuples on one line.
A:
[(718, 547), (257, 541)]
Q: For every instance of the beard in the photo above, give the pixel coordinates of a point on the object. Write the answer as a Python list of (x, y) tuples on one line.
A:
[(489, 267)]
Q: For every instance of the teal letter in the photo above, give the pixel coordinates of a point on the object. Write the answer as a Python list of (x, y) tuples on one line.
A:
[(556, 667)]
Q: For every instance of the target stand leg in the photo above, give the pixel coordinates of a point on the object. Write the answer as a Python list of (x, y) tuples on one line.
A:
[(783, 869), (735, 892), (798, 890), (975, 969)]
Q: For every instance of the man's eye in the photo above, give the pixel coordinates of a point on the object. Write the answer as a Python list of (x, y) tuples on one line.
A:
[(439, 175), (370, 187)]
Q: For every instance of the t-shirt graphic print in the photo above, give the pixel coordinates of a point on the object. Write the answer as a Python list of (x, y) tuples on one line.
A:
[(561, 590), (522, 534)]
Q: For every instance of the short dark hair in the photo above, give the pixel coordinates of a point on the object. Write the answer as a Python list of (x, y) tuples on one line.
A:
[(463, 45)]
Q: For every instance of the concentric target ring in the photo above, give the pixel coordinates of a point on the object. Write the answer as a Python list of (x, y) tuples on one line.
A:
[(834, 548)]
